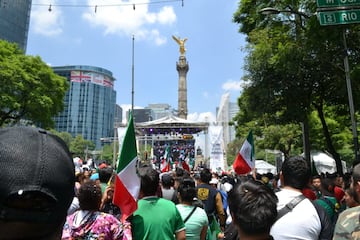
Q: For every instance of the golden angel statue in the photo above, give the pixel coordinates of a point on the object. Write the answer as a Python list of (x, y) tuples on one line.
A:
[(181, 43)]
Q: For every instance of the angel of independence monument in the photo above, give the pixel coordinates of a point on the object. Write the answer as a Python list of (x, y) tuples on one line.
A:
[(182, 67), (174, 131)]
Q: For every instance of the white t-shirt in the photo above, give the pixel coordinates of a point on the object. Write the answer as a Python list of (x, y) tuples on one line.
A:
[(302, 222)]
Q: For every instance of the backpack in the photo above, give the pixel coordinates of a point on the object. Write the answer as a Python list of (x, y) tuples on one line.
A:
[(335, 208), (327, 226)]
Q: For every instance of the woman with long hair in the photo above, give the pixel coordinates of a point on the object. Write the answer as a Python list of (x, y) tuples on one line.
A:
[(88, 222)]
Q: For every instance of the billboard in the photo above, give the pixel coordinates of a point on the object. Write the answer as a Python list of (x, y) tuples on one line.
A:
[(92, 77)]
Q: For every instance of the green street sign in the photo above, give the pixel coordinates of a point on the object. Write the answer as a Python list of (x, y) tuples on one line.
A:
[(339, 17), (337, 3)]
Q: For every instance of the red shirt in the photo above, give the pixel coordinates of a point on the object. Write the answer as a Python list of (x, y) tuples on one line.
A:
[(339, 193), (309, 193)]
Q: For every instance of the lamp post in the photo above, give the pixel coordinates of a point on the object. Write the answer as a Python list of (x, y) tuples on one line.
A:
[(270, 10), (350, 98)]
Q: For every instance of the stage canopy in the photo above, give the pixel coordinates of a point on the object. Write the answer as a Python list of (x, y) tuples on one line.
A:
[(170, 125)]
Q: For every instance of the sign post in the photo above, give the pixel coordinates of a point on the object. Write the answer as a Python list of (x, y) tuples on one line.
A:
[(337, 3), (339, 17), (339, 12)]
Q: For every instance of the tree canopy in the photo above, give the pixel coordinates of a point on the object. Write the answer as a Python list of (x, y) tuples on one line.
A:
[(295, 67), (30, 90)]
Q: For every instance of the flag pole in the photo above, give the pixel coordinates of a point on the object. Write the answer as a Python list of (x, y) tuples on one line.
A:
[(132, 76)]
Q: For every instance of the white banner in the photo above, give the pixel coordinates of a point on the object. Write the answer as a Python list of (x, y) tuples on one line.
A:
[(216, 148)]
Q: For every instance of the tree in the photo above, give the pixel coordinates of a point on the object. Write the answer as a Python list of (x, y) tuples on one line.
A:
[(294, 64), (284, 138), (64, 136), (108, 152), (232, 149), (81, 147), (30, 90)]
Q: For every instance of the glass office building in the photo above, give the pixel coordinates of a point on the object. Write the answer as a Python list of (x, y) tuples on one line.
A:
[(14, 21), (90, 103)]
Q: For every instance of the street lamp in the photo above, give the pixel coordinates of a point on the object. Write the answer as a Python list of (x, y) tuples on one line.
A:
[(270, 10)]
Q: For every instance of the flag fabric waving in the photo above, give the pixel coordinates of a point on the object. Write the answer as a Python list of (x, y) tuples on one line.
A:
[(127, 183), (245, 159), (165, 164), (185, 165)]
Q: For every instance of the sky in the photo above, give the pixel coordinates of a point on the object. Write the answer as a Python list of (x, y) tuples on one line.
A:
[(73, 33)]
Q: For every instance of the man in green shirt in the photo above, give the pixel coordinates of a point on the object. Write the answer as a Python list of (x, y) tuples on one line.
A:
[(155, 218)]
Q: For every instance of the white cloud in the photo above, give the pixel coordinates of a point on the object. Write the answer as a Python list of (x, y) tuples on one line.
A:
[(122, 19), (45, 22), (201, 117), (159, 40), (232, 85), (166, 15)]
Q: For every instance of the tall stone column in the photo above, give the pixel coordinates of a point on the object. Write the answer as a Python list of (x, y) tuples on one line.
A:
[(182, 67)]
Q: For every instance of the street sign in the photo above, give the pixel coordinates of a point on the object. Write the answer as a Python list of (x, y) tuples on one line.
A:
[(337, 3), (339, 17)]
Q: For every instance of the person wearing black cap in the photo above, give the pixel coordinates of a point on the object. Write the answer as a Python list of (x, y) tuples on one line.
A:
[(37, 180)]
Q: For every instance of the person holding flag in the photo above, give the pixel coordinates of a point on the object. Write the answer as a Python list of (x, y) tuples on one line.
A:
[(245, 159), (155, 218), (165, 162), (127, 182)]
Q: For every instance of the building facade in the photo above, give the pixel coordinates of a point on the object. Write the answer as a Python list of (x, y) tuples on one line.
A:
[(224, 114), (90, 103), (141, 115), (14, 21), (118, 114), (161, 110)]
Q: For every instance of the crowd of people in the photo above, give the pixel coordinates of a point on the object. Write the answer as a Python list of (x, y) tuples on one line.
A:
[(175, 151), (42, 197)]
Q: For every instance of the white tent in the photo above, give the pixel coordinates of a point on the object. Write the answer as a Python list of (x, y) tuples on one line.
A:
[(263, 167), (325, 163)]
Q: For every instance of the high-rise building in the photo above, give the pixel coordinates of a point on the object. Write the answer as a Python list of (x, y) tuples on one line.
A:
[(118, 114), (141, 115), (14, 21), (161, 110), (89, 104), (224, 114)]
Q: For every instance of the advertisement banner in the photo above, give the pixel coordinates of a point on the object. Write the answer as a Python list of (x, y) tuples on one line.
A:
[(216, 148), (95, 78)]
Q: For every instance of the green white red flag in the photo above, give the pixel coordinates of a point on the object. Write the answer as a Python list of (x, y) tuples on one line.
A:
[(165, 163), (245, 159), (127, 183)]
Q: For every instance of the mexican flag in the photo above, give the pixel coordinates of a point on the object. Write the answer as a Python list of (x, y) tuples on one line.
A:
[(165, 163), (245, 159), (127, 183)]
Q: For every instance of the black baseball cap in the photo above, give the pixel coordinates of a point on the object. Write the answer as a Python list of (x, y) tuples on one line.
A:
[(37, 176)]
